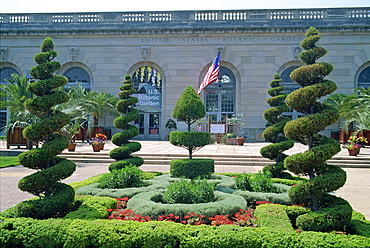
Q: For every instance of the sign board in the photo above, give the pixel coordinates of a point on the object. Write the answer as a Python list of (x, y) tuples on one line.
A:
[(217, 128)]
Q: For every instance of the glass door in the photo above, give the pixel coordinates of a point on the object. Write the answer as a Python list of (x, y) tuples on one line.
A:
[(148, 124)]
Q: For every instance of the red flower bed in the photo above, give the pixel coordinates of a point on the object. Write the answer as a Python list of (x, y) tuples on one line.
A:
[(241, 218)]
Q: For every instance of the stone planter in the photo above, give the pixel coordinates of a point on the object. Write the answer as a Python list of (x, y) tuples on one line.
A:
[(231, 141)]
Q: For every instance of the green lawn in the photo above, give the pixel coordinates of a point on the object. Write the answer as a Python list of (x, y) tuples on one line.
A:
[(7, 161)]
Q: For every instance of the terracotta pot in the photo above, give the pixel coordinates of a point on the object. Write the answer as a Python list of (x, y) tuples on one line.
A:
[(354, 152), (102, 147), (97, 148), (240, 141), (72, 147)]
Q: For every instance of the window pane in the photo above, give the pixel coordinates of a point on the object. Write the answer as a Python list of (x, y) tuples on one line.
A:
[(77, 75), (364, 78), (211, 100), (227, 101)]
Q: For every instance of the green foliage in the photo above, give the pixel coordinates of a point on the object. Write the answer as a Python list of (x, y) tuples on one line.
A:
[(8, 161), (273, 133), (92, 207), (323, 178), (149, 204), (127, 177), (192, 168), (122, 154), (116, 233), (55, 198), (273, 216), (189, 107), (259, 182), (190, 140), (190, 192)]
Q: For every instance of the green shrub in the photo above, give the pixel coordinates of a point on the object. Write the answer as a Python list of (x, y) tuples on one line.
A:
[(192, 168), (116, 233), (273, 216), (259, 182), (128, 177), (92, 207), (149, 204), (190, 192)]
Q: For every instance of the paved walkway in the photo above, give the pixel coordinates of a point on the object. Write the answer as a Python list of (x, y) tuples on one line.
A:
[(355, 190)]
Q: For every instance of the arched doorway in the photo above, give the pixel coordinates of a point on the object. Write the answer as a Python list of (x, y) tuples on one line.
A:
[(148, 85)]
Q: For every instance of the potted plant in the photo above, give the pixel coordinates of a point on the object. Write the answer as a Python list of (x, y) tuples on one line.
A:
[(354, 145), (231, 139), (240, 138), (70, 131), (98, 142), (170, 124)]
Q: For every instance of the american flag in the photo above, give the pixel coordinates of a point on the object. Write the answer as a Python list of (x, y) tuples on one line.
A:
[(212, 74)]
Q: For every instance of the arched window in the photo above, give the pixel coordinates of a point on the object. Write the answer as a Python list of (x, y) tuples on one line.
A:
[(364, 78), (77, 75), (290, 86), (220, 96), (5, 73)]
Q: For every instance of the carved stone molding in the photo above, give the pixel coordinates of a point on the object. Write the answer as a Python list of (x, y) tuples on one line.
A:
[(73, 53), (145, 50), (4, 53), (296, 51), (220, 48)]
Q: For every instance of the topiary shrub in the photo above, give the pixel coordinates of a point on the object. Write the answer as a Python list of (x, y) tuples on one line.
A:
[(273, 133), (149, 204), (192, 168), (122, 154), (127, 177), (328, 214), (55, 198), (189, 192)]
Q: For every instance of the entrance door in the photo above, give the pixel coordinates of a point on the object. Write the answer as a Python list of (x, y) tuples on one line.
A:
[(148, 124)]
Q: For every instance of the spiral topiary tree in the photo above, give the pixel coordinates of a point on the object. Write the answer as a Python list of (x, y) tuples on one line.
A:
[(190, 108), (329, 212), (274, 132), (122, 154), (54, 197)]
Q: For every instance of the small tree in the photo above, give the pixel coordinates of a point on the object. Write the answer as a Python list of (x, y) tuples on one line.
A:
[(122, 154), (54, 197), (274, 132), (190, 108), (330, 212)]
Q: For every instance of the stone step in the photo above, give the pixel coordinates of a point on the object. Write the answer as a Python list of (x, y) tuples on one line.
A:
[(220, 159)]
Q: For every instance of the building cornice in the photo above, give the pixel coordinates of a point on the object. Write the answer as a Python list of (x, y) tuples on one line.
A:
[(174, 22)]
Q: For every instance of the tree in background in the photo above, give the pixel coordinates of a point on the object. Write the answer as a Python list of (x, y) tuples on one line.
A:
[(190, 108), (54, 197), (122, 154), (274, 132), (329, 212)]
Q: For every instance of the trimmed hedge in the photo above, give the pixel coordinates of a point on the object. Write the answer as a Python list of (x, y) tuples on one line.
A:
[(192, 168), (25, 232), (149, 203)]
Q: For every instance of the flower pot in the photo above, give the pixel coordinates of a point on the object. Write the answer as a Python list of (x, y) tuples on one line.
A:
[(240, 141), (72, 147), (102, 147), (353, 152), (97, 148), (231, 141)]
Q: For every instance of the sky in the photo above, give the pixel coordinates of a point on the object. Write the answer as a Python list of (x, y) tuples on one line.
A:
[(58, 6)]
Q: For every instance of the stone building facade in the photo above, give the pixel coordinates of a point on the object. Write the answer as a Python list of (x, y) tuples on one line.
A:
[(167, 51)]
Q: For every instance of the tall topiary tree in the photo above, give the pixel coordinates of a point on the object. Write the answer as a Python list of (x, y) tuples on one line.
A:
[(329, 212), (190, 108), (274, 132), (122, 154), (54, 197)]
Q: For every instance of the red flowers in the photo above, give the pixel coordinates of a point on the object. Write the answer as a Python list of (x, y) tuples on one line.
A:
[(241, 218)]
